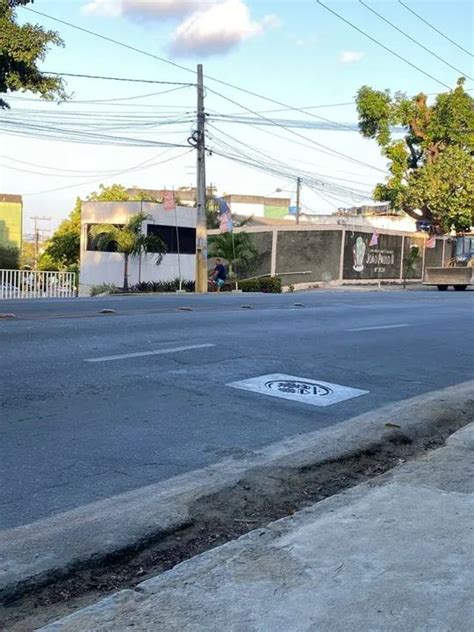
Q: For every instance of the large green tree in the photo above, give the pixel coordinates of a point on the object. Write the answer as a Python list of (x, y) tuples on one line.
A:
[(64, 246), (431, 169), (129, 240), (22, 47)]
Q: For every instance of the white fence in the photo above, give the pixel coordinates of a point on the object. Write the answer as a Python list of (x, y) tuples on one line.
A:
[(29, 284)]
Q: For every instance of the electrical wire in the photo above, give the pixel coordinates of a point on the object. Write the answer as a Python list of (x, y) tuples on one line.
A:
[(404, 59), (75, 186), (281, 164), (176, 65), (412, 39), (321, 147), (434, 28)]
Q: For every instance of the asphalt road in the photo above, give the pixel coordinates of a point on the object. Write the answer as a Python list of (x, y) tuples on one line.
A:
[(79, 424)]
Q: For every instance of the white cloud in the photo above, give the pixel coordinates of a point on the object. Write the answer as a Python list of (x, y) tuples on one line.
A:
[(143, 9), (350, 56), (218, 29)]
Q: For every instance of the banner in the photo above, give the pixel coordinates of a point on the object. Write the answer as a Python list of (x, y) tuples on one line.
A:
[(226, 224), (169, 203), (374, 240)]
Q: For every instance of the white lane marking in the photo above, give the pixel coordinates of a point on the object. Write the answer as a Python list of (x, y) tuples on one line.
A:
[(380, 327), (140, 354)]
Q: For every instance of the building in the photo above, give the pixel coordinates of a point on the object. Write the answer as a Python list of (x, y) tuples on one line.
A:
[(186, 196), (11, 220), (98, 266), (258, 205)]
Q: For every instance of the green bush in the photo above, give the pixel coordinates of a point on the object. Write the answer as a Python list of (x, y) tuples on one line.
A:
[(103, 288), (9, 258), (162, 286), (268, 285)]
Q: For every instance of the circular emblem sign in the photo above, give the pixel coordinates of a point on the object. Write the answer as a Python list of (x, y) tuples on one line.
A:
[(298, 387)]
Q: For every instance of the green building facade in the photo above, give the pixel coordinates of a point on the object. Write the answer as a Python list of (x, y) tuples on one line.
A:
[(11, 220)]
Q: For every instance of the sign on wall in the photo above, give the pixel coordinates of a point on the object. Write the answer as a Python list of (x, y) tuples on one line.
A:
[(363, 261)]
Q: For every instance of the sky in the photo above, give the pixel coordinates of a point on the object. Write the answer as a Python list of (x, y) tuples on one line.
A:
[(294, 52)]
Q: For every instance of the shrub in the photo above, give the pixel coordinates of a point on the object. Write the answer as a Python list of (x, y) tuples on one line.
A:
[(103, 288), (162, 286), (268, 285)]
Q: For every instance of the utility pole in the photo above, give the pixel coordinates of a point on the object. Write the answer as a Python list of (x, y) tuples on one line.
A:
[(298, 191), (37, 235), (201, 227)]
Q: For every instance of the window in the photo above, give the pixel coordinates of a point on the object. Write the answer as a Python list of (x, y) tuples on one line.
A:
[(186, 236)]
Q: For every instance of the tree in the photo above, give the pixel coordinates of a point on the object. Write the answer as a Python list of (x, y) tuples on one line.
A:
[(236, 248), (64, 246), (432, 167), (118, 193), (21, 48), (9, 258), (129, 240)]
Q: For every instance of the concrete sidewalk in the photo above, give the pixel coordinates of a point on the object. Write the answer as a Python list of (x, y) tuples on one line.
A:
[(393, 554)]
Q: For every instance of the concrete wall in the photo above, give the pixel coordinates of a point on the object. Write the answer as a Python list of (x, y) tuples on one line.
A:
[(314, 252), (311, 254), (107, 267), (365, 262)]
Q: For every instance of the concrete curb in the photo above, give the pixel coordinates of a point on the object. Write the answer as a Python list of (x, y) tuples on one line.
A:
[(51, 548)]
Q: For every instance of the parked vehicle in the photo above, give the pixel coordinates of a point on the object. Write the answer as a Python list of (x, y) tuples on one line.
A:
[(460, 269)]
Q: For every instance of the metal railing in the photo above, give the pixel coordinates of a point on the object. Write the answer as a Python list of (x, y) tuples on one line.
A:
[(32, 284)]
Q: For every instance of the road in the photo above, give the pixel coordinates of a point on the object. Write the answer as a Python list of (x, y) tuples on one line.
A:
[(93, 405)]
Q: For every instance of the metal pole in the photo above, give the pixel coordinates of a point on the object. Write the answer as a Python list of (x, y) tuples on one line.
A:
[(298, 191), (140, 254), (235, 261), (201, 228), (177, 244)]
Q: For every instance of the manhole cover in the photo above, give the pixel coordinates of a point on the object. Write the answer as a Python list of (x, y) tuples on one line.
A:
[(299, 389)]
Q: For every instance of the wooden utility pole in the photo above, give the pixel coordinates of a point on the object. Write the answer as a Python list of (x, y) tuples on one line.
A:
[(201, 227), (37, 219)]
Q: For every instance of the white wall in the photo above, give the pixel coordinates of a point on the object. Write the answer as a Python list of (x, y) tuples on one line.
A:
[(107, 267), (392, 222), (247, 210)]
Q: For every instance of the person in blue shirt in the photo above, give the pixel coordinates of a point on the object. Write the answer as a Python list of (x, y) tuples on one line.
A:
[(219, 275)]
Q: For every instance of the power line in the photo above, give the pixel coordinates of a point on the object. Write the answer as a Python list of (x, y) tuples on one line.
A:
[(135, 168), (106, 78), (435, 29), (338, 15), (176, 65), (319, 145), (412, 39)]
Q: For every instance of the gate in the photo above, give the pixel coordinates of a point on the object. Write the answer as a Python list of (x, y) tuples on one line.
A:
[(32, 284)]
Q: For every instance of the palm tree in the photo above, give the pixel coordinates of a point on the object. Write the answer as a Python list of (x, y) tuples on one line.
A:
[(129, 240), (236, 248)]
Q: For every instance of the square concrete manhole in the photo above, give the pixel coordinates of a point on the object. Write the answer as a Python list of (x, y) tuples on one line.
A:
[(299, 389)]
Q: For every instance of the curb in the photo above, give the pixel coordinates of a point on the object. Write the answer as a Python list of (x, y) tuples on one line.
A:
[(38, 553)]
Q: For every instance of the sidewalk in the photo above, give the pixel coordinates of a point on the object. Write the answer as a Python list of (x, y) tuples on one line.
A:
[(395, 554)]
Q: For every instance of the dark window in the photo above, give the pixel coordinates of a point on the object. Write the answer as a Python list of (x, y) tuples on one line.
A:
[(92, 242), (186, 236)]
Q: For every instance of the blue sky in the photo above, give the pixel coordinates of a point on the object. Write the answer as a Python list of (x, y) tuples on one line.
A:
[(295, 52)]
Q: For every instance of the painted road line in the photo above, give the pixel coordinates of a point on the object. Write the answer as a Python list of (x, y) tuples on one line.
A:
[(140, 354), (380, 327)]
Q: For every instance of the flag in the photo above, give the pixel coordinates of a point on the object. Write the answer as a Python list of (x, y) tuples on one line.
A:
[(374, 240), (168, 201), (226, 224), (431, 242)]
